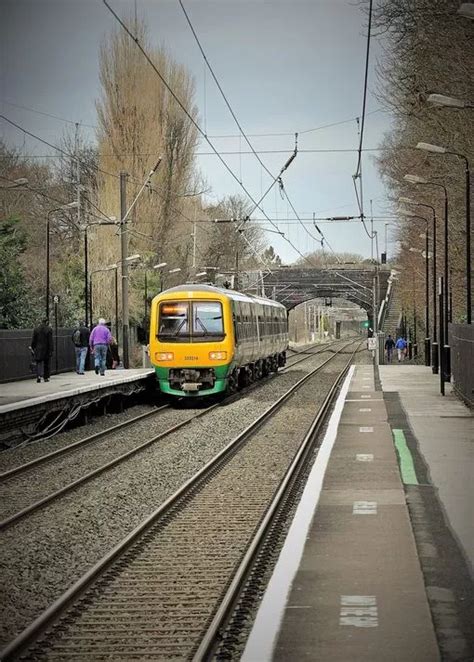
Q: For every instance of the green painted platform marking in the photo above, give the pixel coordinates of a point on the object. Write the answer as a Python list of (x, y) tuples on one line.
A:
[(407, 468)]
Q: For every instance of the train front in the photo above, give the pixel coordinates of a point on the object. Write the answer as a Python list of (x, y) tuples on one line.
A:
[(191, 341)]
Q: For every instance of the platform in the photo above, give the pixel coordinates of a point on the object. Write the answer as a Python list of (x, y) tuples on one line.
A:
[(376, 564), (25, 402)]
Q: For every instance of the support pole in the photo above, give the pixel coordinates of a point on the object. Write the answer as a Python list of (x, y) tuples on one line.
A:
[(124, 265), (86, 278), (427, 299), (468, 246), (441, 336)]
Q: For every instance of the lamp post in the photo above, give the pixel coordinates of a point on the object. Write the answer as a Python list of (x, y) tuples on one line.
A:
[(111, 267), (174, 271), (434, 344), (436, 149), (159, 267), (70, 205), (17, 183), (441, 100), (467, 10), (427, 289), (112, 221), (445, 349)]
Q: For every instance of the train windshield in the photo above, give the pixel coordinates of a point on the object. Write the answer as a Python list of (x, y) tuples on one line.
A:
[(190, 321)]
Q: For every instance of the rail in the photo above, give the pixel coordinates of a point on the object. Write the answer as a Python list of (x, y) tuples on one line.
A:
[(173, 506)]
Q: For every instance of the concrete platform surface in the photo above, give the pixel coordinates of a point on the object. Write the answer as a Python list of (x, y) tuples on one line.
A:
[(348, 584), (27, 393), (444, 429)]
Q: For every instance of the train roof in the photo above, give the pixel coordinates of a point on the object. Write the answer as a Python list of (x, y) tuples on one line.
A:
[(231, 294)]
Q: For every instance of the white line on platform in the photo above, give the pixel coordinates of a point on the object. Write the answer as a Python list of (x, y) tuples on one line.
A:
[(266, 626), (366, 428), (360, 611), (365, 409), (365, 397), (364, 508), (364, 457)]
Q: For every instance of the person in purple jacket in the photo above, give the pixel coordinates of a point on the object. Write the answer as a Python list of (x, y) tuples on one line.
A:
[(99, 340)]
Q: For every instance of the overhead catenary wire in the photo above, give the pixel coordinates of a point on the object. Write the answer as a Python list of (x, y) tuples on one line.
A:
[(358, 172), (37, 191), (188, 114), (274, 178), (40, 112), (213, 136)]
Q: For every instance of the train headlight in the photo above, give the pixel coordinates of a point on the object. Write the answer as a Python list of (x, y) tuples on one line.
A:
[(164, 356), (217, 356)]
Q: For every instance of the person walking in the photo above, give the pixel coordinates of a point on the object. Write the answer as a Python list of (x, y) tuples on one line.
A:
[(401, 346), (99, 340), (80, 338), (42, 349), (389, 345)]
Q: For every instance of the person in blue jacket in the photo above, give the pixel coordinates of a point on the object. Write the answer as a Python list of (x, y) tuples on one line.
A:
[(401, 346)]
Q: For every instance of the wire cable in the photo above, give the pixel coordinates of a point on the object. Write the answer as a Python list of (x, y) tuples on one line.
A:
[(187, 113)]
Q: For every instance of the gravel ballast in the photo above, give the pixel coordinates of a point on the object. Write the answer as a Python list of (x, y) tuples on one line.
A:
[(45, 554)]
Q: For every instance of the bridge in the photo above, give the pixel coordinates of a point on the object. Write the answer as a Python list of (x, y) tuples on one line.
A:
[(294, 285)]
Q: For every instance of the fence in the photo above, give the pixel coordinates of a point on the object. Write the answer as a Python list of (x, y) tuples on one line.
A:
[(461, 339), (15, 357)]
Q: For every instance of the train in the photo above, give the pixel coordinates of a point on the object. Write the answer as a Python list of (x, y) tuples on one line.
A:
[(205, 340)]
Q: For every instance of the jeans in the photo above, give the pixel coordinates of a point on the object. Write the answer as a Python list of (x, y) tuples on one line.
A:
[(100, 354), (389, 355), (81, 353)]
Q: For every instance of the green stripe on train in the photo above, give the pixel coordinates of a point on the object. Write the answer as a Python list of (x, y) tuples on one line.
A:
[(219, 385)]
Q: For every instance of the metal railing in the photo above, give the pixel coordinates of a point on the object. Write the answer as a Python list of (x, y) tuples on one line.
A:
[(461, 340)]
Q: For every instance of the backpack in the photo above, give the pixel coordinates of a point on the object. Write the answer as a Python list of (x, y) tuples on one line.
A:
[(76, 337)]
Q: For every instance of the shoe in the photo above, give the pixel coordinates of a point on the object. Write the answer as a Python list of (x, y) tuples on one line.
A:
[(81, 373), (46, 379), (97, 370), (38, 380), (102, 374)]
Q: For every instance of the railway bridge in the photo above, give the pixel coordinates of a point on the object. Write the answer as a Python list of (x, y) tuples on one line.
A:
[(293, 285)]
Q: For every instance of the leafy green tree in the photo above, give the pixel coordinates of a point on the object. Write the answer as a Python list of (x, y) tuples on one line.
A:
[(17, 307)]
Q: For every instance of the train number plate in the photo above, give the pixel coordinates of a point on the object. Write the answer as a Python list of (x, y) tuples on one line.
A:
[(191, 386)]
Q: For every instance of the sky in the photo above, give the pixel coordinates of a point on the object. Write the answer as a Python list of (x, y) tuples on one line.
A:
[(286, 66)]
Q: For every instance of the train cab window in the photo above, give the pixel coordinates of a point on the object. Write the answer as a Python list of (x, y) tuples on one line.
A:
[(207, 319), (173, 320), (196, 321)]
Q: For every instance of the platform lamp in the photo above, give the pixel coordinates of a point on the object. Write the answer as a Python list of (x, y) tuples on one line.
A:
[(434, 344), (436, 149), (445, 351), (174, 271), (159, 267), (111, 220), (409, 214), (110, 267), (16, 183), (65, 207), (442, 100)]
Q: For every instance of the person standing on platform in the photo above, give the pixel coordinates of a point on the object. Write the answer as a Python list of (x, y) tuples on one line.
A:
[(80, 338), (99, 341), (401, 346), (389, 345), (42, 348)]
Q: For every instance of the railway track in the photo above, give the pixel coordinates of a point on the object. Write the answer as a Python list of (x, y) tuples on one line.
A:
[(164, 591), (26, 488)]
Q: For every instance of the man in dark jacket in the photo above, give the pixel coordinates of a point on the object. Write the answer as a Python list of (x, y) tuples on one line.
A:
[(80, 338), (42, 347)]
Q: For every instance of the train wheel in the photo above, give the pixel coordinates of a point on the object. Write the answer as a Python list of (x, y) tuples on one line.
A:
[(232, 382), (251, 373), (265, 368), (258, 370)]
